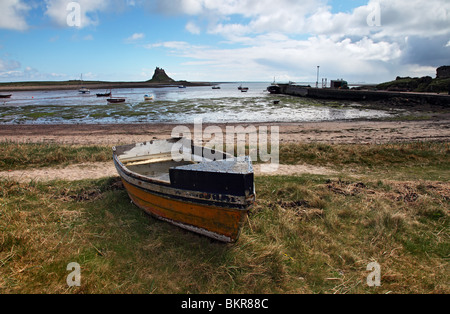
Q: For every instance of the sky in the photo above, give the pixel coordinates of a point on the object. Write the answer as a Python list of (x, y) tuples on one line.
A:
[(369, 41)]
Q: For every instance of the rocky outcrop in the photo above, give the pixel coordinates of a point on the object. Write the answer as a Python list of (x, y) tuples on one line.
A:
[(160, 76), (441, 84)]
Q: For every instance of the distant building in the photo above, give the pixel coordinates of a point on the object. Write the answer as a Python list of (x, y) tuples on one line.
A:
[(443, 72), (338, 84)]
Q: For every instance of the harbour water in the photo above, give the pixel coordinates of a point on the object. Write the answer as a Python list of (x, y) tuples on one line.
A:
[(175, 105)]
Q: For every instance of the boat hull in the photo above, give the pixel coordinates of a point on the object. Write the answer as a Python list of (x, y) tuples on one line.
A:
[(274, 89), (116, 100), (223, 224), (212, 213)]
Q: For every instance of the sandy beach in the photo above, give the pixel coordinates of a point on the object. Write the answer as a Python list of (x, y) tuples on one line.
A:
[(337, 132)]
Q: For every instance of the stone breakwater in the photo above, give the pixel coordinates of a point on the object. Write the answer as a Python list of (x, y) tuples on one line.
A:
[(365, 95)]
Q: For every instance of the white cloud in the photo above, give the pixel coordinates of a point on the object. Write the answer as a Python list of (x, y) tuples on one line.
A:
[(135, 37), (296, 36), (268, 55), (174, 46), (286, 38), (192, 28), (12, 14), (27, 74), (9, 65)]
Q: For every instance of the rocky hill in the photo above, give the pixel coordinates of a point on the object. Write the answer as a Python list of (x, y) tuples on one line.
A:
[(440, 84), (160, 76)]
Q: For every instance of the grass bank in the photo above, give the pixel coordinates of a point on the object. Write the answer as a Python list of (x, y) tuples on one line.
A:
[(306, 234), (402, 161), (14, 156)]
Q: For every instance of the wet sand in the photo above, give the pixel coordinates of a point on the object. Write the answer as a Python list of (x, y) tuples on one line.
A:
[(338, 132)]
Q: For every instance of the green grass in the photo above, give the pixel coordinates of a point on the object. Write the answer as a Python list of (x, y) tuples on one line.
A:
[(419, 160), (401, 161), (33, 155), (424, 84), (306, 234)]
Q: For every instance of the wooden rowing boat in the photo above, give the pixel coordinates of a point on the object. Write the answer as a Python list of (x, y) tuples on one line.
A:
[(196, 188)]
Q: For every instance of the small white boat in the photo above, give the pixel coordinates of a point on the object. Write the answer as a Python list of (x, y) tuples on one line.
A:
[(83, 90), (148, 97)]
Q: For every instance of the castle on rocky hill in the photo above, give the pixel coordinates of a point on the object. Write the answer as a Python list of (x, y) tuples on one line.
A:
[(160, 76)]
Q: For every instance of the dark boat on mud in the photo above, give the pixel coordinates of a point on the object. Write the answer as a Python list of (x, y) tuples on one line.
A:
[(116, 100), (274, 89), (104, 94)]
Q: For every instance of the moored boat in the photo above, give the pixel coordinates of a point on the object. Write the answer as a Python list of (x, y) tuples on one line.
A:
[(106, 94), (274, 89), (195, 188), (116, 100), (148, 97), (83, 90), (6, 96)]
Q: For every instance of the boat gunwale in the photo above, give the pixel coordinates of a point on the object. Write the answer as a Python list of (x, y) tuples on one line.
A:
[(165, 189)]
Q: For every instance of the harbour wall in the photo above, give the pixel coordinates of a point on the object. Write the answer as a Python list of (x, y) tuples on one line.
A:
[(363, 95)]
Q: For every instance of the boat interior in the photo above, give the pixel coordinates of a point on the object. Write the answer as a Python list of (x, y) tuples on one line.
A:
[(155, 159), (156, 170), (182, 165)]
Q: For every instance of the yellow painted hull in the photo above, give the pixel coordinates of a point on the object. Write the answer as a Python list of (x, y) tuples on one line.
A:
[(221, 223)]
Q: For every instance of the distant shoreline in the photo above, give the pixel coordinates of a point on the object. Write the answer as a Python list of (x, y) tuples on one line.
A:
[(74, 85)]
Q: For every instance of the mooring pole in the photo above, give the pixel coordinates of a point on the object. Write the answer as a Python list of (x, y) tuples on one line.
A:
[(317, 82)]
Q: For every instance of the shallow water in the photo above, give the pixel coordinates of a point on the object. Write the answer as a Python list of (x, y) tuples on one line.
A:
[(174, 105)]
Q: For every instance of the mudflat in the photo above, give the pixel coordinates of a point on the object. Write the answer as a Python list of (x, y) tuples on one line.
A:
[(337, 132)]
